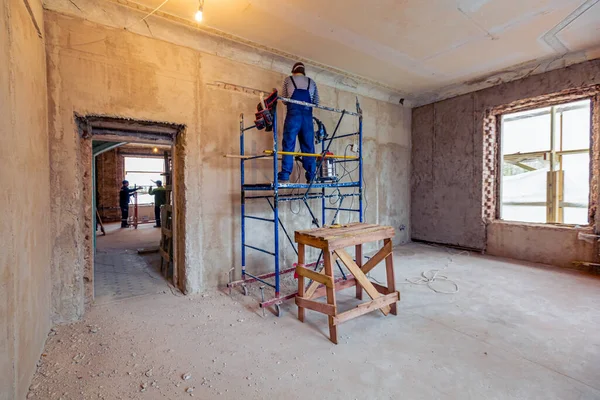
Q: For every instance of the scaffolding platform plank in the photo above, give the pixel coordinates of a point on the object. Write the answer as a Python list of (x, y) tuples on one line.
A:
[(316, 185)]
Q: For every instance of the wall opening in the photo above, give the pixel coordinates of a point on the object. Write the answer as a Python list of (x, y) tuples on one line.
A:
[(132, 244), (534, 155), (545, 164)]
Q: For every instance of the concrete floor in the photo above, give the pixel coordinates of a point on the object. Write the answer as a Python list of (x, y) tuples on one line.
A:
[(119, 271), (513, 331)]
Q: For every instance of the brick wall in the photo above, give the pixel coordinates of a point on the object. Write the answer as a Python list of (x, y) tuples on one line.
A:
[(110, 174)]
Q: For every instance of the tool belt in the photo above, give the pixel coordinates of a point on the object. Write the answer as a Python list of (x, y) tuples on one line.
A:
[(264, 115)]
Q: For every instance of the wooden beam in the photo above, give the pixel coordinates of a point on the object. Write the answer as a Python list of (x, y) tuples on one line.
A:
[(341, 285), (380, 288), (330, 296), (379, 303), (315, 276), (385, 251), (303, 303), (361, 278), (301, 254)]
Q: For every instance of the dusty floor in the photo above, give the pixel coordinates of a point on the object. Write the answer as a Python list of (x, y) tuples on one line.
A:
[(119, 271), (513, 331)]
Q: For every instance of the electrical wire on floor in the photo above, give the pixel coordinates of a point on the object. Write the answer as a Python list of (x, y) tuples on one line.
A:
[(432, 276)]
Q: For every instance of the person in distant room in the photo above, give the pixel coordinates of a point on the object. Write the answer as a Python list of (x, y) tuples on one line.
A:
[(124, 199), (299, 122), (160, 198)]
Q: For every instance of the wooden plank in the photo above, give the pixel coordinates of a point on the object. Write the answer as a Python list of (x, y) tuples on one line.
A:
[(379, 303), (391, 281), (315, 285), (167, 232), (334, 238), (330, 296), (358, 256), (361, 278), (301, 261), (323, 308), (319, 244), (385, 251), (373, 236), (148, 250), (315, 276), (165, 255), (328, 232), (345, 284), (380, 288)]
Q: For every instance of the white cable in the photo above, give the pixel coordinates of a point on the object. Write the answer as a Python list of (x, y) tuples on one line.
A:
[(431, 276), (149, 14)]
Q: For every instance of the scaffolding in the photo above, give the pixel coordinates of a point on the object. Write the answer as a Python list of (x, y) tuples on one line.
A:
[(276, 192)]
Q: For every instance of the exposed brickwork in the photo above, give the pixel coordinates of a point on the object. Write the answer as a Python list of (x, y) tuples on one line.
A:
[(490, 166), (595, 164), (110, 174)]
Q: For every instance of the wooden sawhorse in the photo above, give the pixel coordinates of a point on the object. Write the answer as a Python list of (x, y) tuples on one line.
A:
[(332, 240)]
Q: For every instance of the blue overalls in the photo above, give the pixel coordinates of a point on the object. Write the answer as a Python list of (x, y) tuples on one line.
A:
[(298, 121)]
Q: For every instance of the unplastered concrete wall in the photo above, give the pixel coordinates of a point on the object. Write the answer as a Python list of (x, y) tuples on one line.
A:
[(447, 162), (94, 68), (24, 227)]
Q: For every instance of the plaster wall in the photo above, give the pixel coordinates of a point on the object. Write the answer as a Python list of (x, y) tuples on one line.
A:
[(96, 69), (447, 163), (24, 231)]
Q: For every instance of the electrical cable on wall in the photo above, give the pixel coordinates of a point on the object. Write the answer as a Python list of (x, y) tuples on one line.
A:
[(147, 15)]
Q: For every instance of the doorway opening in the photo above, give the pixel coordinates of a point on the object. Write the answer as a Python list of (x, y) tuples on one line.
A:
[(133, 207)]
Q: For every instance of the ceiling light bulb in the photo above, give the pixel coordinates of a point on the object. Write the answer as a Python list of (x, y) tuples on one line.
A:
[(198, 15), (155, 150)]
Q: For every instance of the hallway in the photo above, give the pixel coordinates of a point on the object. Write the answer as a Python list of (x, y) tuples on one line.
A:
[(119, 271)]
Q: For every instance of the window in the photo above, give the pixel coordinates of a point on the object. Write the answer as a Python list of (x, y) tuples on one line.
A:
[(143, 171), (546, 164)]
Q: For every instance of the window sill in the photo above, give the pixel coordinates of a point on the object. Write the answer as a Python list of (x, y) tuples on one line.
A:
[(566, 227)]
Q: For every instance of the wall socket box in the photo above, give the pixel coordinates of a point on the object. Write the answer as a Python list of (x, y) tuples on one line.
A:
[(354, 147)]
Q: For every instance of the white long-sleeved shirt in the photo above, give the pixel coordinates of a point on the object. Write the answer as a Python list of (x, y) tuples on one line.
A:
[(301, 82)]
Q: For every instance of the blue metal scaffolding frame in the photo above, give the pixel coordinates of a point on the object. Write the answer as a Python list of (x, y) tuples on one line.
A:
[(275, 197)]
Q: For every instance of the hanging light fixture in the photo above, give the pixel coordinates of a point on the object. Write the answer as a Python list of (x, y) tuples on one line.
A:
[(198, 15)]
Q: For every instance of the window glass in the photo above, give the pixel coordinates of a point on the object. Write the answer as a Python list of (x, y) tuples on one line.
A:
[(154, 168), (144, 164), (524, 185), (526, 132), (576, 127)]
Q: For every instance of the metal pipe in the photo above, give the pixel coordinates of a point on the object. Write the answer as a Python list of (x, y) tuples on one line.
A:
[(259, 218), (303, 103), (298, 153), (284, 230), (259, 280), (259, 249), (360, 162), (243, 198), (275, 202)]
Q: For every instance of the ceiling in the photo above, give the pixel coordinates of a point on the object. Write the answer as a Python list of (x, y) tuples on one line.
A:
[(413, 47)]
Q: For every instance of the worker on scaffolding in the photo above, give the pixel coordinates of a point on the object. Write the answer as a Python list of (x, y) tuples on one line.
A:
[(298, 122), (160, 198), (124, 199)]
